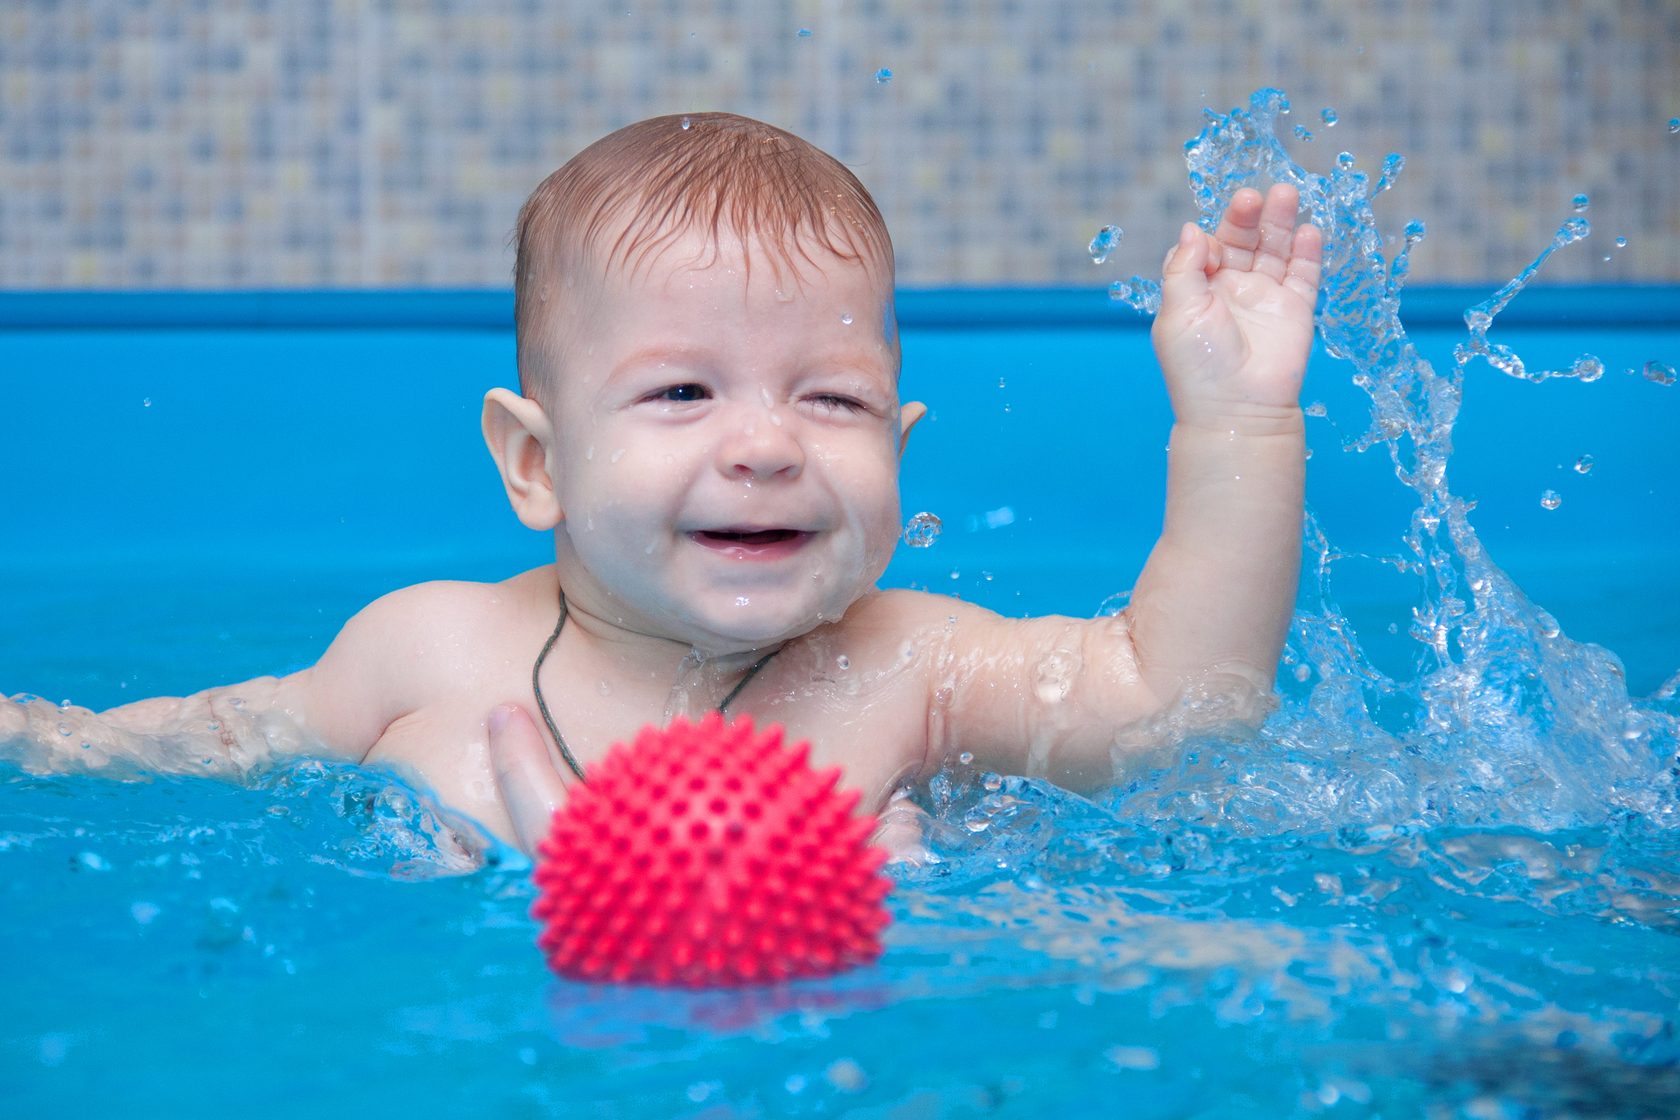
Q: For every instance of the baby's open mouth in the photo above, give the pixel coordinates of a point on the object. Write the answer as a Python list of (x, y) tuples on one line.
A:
[(751, 537), (753, 544)]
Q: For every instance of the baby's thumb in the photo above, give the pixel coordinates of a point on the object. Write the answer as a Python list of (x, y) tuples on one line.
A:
[(1184, 272), (530, 786)]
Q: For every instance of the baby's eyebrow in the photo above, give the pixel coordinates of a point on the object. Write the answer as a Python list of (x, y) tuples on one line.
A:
[(662, 354)]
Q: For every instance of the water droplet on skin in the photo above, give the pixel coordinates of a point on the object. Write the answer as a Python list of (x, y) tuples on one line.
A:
[(64, 730), (922, 530), (883, 76), (742, 601), (616, 456), (1329, 118), (1584, 465), (1550, 499), (605, 688), (589, 452), (846, 318), (942, 695), (1580, 203), (966, 757), (1104, 243), (1055, 676), (844, 662), (687, 124)]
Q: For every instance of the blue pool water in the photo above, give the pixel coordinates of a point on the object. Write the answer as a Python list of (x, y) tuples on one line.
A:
[(1428, 887)]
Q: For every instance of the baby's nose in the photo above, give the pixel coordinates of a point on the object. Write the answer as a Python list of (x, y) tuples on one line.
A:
[(760, 444)]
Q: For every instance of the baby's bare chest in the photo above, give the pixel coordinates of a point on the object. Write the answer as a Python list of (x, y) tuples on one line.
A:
[(870, 723)]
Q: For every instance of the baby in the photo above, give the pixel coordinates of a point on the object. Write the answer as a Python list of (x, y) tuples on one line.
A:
[(709, 425)]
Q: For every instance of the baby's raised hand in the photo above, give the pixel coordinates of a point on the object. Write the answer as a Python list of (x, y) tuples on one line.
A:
[(1236, 319)]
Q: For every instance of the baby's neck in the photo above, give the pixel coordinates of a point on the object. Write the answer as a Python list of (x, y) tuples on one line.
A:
[(703, 677)]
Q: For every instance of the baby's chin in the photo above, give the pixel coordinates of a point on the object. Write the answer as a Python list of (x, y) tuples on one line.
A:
[(747, 630)]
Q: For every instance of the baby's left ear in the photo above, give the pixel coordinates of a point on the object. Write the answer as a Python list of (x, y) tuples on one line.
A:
[(908, 417)]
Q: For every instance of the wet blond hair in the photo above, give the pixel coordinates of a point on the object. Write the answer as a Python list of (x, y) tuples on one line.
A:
[(622, 199)]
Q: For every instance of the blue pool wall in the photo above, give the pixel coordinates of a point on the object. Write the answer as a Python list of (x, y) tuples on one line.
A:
[(287, 433)]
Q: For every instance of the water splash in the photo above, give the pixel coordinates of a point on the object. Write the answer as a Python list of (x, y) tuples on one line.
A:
[(922, 530), (1104, 243), (1506, 719)]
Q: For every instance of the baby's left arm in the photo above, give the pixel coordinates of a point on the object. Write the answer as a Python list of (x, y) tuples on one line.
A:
[(1210, 610), (1232, 336)]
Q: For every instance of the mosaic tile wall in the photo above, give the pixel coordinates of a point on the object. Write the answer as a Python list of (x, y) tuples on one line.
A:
[(351, 143)]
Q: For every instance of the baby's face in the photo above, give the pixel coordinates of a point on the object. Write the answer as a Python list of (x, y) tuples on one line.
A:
[(727, 445)]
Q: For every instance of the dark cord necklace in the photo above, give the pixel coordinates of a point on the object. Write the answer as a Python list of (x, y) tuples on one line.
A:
[(542, 705)]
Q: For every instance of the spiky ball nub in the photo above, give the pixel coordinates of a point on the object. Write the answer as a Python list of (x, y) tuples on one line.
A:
[(709, 855)]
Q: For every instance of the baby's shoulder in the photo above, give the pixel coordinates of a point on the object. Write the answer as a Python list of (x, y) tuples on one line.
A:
[(903, 611), (436, 605), (449, 625), (889, 619)]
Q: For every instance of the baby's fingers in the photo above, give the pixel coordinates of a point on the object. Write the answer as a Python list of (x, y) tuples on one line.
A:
[(1184, 274), (1275, 232), (1239, 234), (530, 785), (1306, 255)]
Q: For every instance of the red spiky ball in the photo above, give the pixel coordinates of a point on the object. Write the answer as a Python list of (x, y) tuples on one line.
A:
[(708, 855)]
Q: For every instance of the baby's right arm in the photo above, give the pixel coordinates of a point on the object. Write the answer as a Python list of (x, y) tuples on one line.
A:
[(336, 708), (221, 732)]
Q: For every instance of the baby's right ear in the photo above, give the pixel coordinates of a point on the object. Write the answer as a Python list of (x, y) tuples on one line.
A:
[(520, 439)]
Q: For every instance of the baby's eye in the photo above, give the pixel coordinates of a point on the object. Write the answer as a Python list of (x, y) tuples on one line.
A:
[(833, 402), (682, 394)]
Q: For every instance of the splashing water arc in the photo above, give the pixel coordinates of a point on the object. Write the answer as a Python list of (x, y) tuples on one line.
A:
[(1506, 720)]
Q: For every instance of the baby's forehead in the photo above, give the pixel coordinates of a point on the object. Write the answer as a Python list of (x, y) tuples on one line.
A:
[(794, 261)]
